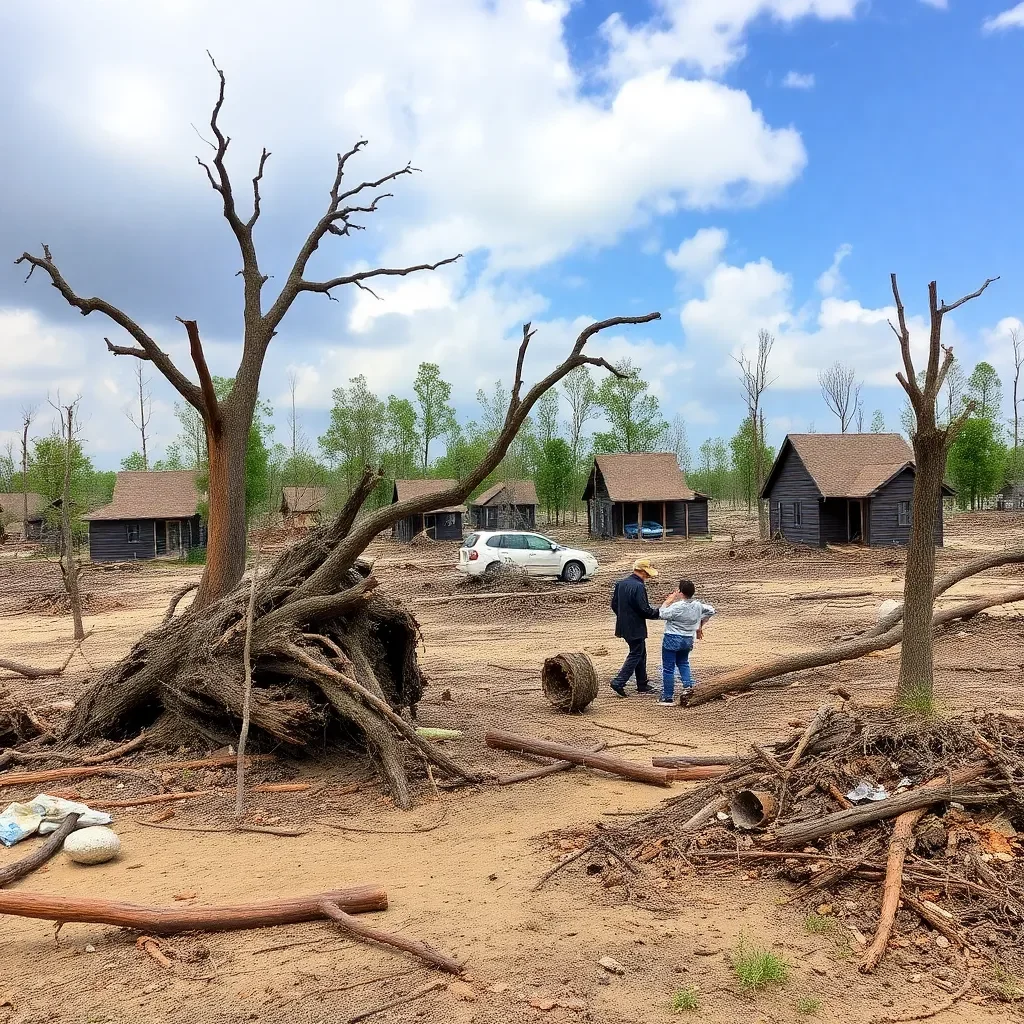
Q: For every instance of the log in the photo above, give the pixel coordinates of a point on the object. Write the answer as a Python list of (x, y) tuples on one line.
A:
[(170, 920), (799, 833), (829, 595), (353, 926), (498, 740), (697, 773), (544, 770), (812, 730), (40, 855), (688, 760), (532, 595)]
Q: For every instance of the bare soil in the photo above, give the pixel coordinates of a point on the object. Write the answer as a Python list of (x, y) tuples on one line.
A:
[(460, 869)]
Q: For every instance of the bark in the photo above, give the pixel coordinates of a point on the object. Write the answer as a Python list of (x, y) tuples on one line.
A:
[(40, 855), (68, 562)]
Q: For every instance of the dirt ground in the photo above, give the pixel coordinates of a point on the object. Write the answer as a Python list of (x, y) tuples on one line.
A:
[(460, 869)]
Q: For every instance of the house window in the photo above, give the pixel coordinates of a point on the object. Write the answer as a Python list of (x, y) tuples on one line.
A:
[(903, 513), (132, 530), (798, 516)]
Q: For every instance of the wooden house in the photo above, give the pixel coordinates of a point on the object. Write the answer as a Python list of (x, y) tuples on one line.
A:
[(1009, 499), (153, 515), (509, 505), (302, 507), (644, 494), (13, 519), (844, 488), (438, 524)]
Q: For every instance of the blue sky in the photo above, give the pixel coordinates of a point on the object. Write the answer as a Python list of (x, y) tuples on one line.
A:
[(709, 158)]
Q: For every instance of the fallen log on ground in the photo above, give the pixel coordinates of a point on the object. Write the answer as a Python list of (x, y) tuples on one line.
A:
[(169, 920), (41, 854), (744, 679), (545, 769), (33, 672), (697, 772), (498, 740), (689, 760), (829, 595)]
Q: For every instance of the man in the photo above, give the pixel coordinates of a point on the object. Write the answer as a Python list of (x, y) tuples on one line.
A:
[(632, 610)]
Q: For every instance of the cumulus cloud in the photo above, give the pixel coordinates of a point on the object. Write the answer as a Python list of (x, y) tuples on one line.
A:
[(697, 255), (798, 80), (831, 280), (1012, 18)]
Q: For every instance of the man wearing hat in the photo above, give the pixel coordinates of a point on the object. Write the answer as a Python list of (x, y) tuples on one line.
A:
[(632, 610)]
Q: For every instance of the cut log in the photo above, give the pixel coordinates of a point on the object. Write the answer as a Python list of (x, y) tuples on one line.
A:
[(829, 595), (697, 772), (498, 740), (169, 920), (41, 854), (569, 682)]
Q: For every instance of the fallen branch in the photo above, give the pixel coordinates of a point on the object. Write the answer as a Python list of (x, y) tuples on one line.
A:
[(769, 760), (545, 770), (829, 595), (932, 1011), (565, 862), (933, 916), (400, 1001), (40, 855), (269, 830), (169, 920), (696, 773), (283, 787), (686, 760), (706, 813), (31, 672), (353, 926), (498, 740), (160, 798), (810, 732)]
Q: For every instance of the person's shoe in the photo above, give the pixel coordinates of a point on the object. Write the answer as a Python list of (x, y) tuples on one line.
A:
[(666, 703), (619, 689), (645, 690)]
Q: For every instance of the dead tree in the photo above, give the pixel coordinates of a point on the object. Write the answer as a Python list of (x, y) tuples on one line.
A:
[(931, 446), (28, 413), (145, 413), (68, 561), (841, 391), (754, 378), (227, 421), (1017, 340)]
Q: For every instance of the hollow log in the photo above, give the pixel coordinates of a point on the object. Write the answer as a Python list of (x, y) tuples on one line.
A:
[(498, 740), (169, 920)]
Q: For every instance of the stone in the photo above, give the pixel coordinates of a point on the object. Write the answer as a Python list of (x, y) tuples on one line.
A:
[(942, 942), (886, 608), (611, 965), (93, 845)]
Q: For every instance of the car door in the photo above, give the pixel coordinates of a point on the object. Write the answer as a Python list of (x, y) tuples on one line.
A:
[(543, 561), (516, 551)]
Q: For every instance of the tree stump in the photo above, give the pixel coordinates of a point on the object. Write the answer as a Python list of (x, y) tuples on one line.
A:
[(569, 682)]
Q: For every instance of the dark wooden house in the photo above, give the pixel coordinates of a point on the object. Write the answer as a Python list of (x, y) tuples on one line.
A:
[(438, 524), (643, 488), (510, 505), (1009, 499), (302, 507), (844, 488), (13, 520), (153, 515)]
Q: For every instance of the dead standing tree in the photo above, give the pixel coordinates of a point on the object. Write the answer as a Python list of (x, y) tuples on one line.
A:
[(145, 413), (68, 561), (841, 392), (754, 378), (329, 655)]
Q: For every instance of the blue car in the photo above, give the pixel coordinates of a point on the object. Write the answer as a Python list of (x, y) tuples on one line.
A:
[(648, 530)]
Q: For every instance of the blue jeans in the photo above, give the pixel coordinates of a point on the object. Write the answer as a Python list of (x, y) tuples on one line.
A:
[(675, 653)]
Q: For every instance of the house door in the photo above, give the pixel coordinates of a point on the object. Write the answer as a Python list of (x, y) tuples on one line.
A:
[(855, 530), (173, 537)]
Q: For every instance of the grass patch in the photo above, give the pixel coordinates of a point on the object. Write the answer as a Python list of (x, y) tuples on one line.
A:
[(918, 699), (758, 968), (1005, 985), (818, 924), (808, 1006), (195, 556), (686, 999)]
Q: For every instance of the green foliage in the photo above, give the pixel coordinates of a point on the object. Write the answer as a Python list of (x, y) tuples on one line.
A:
[(634, 416), (354, 438), (985, 389), (808, 1006), (711, 476), (758, 968), (744, 460), (555, 477), (878, 422), (134, 462), (546, 414), (818, 924), (402, 440), (686, 999), (435, 415), (196, 556), (976, 461), (463, 451)]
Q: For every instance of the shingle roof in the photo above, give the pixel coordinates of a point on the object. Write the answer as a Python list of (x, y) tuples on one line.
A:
[(405, 489), (303, 500), (12, 504), (520, 492), (644, 476), (850, 465), (140, 494)]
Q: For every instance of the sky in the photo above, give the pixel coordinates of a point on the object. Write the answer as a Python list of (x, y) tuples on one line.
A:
[(734, 164)]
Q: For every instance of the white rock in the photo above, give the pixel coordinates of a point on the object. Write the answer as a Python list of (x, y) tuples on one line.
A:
[(886, 608), (611, 965), (93, 845)]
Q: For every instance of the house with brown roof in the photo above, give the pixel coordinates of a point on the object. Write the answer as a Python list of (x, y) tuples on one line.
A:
[(154, 514), (844, 488), (437, 524), (643, 496), (302, 507), (22, 513), (508, 505)]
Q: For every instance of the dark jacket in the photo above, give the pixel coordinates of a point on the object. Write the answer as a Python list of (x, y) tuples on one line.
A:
[(632, 608)]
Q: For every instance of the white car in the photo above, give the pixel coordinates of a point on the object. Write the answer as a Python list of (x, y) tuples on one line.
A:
[(485, 551)]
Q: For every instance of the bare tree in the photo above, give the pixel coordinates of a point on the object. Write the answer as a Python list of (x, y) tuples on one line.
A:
[(841, 391), (1017, 341), (28, 413), (755, 381), (860, 416), (68, 559), (145, 413), (227, 421), (931, 446), (298, 440)]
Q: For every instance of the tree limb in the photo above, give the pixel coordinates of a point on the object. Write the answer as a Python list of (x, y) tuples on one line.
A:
[(910, 381), (210, 406), (944, 308), (325, 287)]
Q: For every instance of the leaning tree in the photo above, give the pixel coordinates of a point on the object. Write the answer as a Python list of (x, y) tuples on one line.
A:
[(331, 658)]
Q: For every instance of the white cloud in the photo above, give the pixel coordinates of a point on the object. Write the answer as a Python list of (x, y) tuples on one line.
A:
[(697, 255), (1013, 18), (831, 281), (704, 34), (798, 80)]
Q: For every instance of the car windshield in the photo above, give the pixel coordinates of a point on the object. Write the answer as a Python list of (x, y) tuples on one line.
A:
[(471, 540)]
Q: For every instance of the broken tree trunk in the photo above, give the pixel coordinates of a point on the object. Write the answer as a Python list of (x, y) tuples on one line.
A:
[(168, 920), (498, 740)]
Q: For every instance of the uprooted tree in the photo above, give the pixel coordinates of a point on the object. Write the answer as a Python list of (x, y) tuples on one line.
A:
[(330, 656)]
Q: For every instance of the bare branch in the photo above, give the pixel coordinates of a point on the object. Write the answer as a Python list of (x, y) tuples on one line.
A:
[(518, 383), (944, 308), (126, 350), (909, 381), (264, 157), (364, 275), (841, 391), (211, 406)]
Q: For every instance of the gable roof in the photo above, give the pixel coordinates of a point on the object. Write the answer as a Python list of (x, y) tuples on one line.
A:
[(303, 500), (643, 476), (846, 465), (405, 489), (519, 492), (13, 504), (152, 494)]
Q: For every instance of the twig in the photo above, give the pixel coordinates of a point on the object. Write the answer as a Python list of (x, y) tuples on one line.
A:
[(706, 813), (547, 769), (401, 1001), (772, 763), (283, 787), (568, 860), (809, 733), (152, 946), (265, 829), (365, 981), (935, 919), (385, 831), (160, 798), (40, 855), (933, 1011)]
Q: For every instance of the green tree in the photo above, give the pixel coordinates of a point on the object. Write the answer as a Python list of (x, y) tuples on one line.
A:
[(434, 415), (46, 477), (581, 395), (636, 423), (743, 447), (134, 462), (878, 422), (463, 450), (555, 477), (355, 437), (985, 389), (976, 461), (548, 409), (401, 437)]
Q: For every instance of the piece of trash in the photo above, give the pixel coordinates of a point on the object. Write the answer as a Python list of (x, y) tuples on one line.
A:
[(903, 783), (866, 791), (439, 734), (44, 815)]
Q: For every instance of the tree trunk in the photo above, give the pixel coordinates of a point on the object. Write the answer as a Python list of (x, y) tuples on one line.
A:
[(68, 562), (915, 685)]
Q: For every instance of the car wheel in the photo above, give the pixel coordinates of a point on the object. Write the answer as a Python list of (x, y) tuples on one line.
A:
[(493, 569), (573, 572)]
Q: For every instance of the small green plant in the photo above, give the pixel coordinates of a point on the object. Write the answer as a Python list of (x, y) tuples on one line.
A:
[(1006, 986), (818, 924), (196, 556), (686, 999), (758, 968), (808, 1006)]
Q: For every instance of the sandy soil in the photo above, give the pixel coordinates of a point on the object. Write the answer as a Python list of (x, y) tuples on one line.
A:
[(460, 869)]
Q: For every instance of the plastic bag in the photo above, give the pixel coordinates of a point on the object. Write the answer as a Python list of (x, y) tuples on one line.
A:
[(44, 815), (867, 791)]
